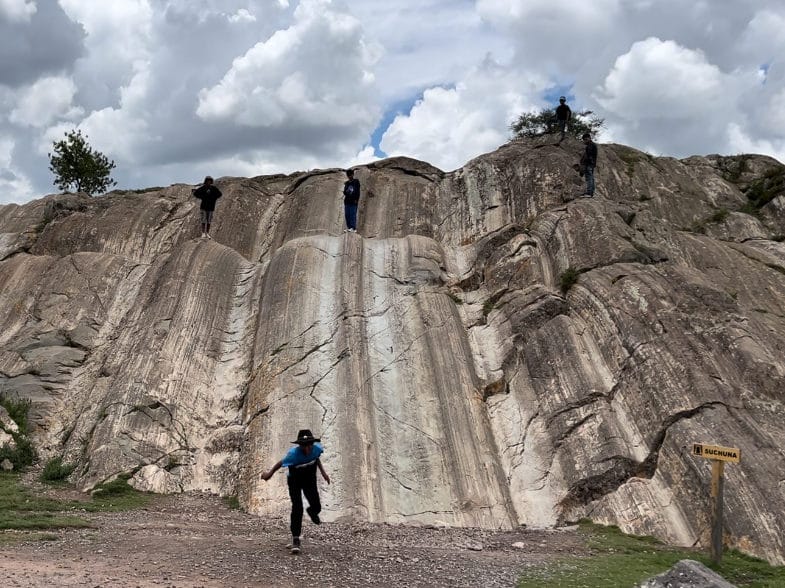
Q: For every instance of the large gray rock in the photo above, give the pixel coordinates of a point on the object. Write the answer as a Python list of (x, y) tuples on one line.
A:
[(452, 375), (688, 574)]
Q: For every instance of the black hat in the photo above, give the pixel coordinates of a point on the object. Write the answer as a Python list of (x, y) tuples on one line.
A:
[(562, 99), (304, 437)]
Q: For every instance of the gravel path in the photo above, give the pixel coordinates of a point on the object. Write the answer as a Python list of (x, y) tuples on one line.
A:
[(195, 540)]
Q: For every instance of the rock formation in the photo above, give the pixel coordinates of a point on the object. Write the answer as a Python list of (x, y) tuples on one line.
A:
[(480, 353)]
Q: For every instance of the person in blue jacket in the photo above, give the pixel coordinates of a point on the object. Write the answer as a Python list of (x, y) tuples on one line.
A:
[(302, 461)]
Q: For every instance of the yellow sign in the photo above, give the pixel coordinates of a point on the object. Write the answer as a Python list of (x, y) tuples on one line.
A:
[(716, 452)]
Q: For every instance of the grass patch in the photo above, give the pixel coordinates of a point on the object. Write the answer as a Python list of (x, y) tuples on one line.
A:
[(568, 279), (455, 298), (115, 496), (718, 216), (622, 561), (232, 502), (21, 509), (488, 306)]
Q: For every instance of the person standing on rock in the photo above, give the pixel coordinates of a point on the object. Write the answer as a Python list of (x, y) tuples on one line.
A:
[(563, 117), (588, 164), (208, 193), (302, 461), (351, 198)]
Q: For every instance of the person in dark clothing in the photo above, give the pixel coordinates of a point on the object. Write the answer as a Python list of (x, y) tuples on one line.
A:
[(588, 164), (351, 198), (302, 461), (208, 193), (563, 117)]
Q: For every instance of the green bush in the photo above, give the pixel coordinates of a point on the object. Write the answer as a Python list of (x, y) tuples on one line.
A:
[(55, 470), (568, 278), (23, 453)]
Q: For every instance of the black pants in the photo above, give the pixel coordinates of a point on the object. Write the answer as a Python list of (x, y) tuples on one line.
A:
[(299, 485)]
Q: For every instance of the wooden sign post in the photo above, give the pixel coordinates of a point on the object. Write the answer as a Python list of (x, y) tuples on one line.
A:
[(718, 456)]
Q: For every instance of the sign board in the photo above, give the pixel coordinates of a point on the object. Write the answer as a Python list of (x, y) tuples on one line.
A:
[(731, 454)]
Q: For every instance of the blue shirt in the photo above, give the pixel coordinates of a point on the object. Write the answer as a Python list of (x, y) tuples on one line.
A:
[(296, 458)]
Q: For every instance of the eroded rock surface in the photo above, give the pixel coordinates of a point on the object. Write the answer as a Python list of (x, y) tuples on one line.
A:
[(481, 353)]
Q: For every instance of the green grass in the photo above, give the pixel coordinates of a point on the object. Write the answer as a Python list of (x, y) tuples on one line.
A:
[(232, 502), (622, 561), (21, 509), (718, 216), (487, 307)]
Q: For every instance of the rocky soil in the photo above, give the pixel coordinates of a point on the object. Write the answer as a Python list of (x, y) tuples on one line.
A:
[(195, 540)]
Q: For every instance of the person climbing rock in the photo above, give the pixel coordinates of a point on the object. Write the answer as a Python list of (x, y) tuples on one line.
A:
[(351, 198), (208, 193), (302, 461), (588, 164), (563, 117)]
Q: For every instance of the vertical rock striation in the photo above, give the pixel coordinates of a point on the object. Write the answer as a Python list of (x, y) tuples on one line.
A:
[(481, 353)]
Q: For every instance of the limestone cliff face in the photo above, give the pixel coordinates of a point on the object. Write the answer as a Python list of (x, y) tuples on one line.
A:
[(451, 369)]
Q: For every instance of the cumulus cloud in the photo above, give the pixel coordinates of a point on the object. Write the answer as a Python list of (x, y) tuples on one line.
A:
[(294, 77), (448, 126), (36, 39), (17, 10), (47, 99), (657, 79), (174, 89)]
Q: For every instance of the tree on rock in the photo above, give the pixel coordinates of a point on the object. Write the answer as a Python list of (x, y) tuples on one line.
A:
[(74, 163), (535, 124)]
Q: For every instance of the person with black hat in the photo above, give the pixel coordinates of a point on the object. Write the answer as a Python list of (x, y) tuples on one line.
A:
[(563, 117), (302, 461)]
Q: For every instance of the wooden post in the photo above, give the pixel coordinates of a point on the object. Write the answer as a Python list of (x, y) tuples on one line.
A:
[(718, 456), (717, 488)]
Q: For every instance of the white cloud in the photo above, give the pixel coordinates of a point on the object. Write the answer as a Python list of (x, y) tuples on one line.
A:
[(314, 73), (169, 87), (14, 186), (44, 101), (448, 126), (740, 142), (242, 16), (657, 79), (17, 10)]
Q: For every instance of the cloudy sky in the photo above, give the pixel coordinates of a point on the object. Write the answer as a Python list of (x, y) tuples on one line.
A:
[(172, 90)]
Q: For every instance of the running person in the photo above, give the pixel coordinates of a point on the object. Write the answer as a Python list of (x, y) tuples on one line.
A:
[(302, 462)]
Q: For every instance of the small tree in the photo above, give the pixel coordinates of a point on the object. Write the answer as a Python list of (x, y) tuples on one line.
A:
[(74, 163), (535, 124)]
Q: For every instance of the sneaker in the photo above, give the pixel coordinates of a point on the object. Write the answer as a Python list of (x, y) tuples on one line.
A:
[(295, 545), (587, 195), (352, 230), (204, 235), (208, 235), (314, 517)]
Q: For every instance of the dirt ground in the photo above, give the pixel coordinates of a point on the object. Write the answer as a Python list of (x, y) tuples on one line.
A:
[(195, 540)]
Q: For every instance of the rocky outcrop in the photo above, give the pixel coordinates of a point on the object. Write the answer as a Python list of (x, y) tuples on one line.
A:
[(480, 353)]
